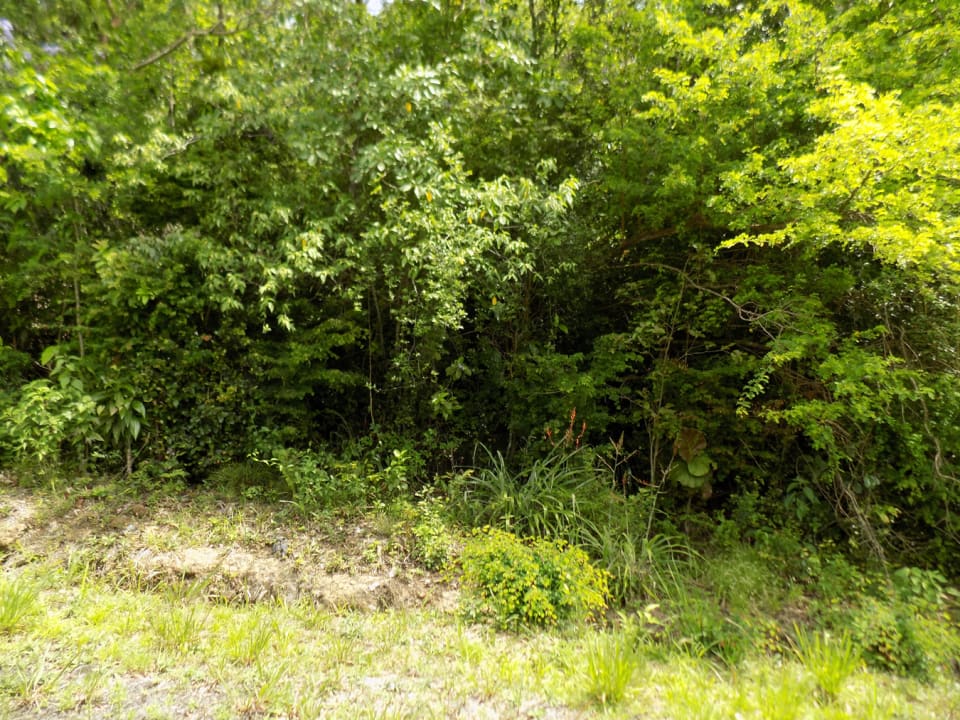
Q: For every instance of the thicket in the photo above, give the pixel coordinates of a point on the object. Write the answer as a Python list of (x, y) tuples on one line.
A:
[(650, 269)]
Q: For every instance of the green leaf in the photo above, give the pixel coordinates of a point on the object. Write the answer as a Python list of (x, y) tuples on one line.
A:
[(49, 354), (681, 475), (701, 465)]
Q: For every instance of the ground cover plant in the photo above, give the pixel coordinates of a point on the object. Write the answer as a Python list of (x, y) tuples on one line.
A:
[(100, 620)]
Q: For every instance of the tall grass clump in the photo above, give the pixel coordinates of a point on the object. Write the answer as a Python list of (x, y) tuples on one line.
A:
[(18, 600), (564, 495), (608, 665), (552, 497), (830, 659)]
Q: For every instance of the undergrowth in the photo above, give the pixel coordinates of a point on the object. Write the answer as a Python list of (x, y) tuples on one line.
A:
[(765, 626)]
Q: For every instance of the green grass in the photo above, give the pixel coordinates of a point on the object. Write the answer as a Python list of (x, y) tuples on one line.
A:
[(79, 642), (609, 663), (18, 600), (831, 660), (102, 651)]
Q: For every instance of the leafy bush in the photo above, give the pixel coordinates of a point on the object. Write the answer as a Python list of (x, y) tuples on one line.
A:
[(700, 628), (886, 632), (316, 480), (432, 540), (249, 479), (563, 495), (46, 419), (522, 582)]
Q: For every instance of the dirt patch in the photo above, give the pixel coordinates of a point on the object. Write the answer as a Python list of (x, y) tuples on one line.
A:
[(226, 550), (238, 575), (16, 514)]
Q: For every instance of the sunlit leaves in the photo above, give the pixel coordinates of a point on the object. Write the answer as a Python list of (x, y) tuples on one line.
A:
[(882, 178)]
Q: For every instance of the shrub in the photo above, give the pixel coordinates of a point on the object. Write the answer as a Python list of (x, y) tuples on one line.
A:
[(523, 582), (432, 540), (887, 635), (250, 480), (702, 629), (46, 419), (313, 479)]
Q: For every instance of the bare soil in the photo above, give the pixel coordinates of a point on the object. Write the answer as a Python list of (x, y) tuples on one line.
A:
[(231, 550)]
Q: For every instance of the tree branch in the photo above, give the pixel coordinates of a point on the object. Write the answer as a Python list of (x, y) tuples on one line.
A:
[(218, 29), (175, 45)]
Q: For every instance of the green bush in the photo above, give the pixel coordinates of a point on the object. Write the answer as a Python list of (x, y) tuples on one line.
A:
[(321, 480), (251, 480), (47, 419), (530, 582), (563, 495), (887, 635), (314, 479), (701, 628), (432, 540)]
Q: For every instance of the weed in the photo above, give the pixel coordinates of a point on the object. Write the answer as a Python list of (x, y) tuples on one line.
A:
[(743, 581), (246, 642), (32, 679), (829, 659), (432, 539), (780, 693), (609, 663), (250, 480), (548, 498), (18, 600), (178, 629), (888, 632), (270, 685)]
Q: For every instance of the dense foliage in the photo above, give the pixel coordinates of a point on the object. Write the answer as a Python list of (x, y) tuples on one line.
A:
[(715, 242)]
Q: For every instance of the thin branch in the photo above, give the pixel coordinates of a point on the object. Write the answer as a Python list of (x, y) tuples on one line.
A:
[(175, 45), (743, 312), (181, 148), (218, 29)]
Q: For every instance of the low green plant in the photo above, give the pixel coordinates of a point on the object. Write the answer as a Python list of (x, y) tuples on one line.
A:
[(885, 629), (432, 540), (924, 589), (246, 642), (18, 600), (315, 479), (743, 581), (700, 628), (177, 629), (41, 671), (778, 693), (552, 497), (249, 479), (609, 662), (46, 419), (529, 582), (830, 659)]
